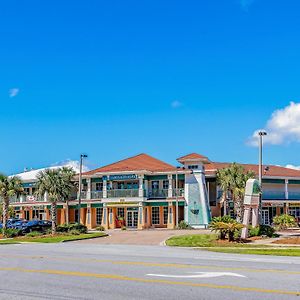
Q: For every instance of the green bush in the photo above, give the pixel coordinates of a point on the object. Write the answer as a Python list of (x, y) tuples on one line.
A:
[(215, 225), (11, 233), (124, 228), (183, 225), (284, 221), (261, 230), (74, 232), (34, 234), (100, 228), (72, 226)]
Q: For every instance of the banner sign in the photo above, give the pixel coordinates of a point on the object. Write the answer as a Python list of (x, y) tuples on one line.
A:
[(120, 177)]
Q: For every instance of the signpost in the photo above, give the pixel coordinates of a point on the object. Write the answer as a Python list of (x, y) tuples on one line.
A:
[(251, 203)]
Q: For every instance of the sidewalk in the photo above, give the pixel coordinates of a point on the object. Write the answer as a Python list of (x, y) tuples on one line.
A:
[(141, 237)]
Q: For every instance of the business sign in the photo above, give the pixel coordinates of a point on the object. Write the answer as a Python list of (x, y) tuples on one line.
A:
[(120, 177), (252, 192)]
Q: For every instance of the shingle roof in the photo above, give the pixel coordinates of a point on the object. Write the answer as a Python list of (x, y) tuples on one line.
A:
[(135, 163), (192, 156), (276, 171)]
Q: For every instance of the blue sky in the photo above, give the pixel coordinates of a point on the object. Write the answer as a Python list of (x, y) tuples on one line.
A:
[(116, 78)]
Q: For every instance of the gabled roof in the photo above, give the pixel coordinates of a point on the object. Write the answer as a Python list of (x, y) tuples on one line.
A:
[(271, 171), (140, 162), (193, 157)]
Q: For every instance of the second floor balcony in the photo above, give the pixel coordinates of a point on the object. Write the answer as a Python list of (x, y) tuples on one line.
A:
[(122, 193)]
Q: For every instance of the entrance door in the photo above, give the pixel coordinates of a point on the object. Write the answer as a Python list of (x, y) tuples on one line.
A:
[(265, 217), (132, 219)]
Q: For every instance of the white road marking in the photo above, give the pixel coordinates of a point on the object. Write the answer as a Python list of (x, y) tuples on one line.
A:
[(199, 275)]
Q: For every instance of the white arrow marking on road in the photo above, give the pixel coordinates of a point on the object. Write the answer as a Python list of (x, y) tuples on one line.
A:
[(199, 275)]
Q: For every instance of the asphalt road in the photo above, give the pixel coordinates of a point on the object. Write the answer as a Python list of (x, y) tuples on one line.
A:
[(89, 271)]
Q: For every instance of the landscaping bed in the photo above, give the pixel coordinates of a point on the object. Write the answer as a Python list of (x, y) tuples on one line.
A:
[(288, 241)]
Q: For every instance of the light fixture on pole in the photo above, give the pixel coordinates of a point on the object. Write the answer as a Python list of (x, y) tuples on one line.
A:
[(82, 156), (261, 133)]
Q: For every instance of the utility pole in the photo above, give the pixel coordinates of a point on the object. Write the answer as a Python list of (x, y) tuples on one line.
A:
[(82, 156)]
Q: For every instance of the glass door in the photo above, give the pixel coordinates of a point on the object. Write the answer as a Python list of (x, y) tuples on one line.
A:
[(265, 217), (132, 219)]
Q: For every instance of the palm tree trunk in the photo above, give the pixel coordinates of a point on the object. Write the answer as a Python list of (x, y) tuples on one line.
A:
[(53, 216), (5, 212), (67, 212)]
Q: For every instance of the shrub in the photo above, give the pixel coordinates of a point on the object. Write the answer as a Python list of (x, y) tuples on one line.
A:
[(183, 225), (11, 233), (34, 234), (100, 228), (284, 221), (261, 230), (73, 226), (74, 232), (215, 225), (123, 228)]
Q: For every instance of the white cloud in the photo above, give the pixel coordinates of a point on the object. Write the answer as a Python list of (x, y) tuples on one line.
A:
[(74, 164), (283, 126), (245, 4), (13, 92), (176, 104)]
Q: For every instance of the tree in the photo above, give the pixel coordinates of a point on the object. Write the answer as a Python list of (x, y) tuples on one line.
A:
[(9, 187), (233, 179), (57, 184), (223, 180)]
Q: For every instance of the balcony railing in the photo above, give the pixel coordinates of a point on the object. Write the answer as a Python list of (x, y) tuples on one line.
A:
[(294, 195), (97, 194), (122, 193), (157, 193), (180, 193), (273, 195)]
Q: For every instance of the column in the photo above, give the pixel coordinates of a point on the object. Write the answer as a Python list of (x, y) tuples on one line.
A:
[(170, 188), (141, 186), (104, 188), (105, 218), (88, 216), (255, 216), (171, 216), (89, 188), (46, 197), (146, 187), (286, 189), (141, 216), (112, 217)]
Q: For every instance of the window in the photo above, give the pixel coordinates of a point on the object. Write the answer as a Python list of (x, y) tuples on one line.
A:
[(165, 214), (155, 215), (165, 184), (155, 185), (193, 167), (121, 212), (99, 213), (76, 216), (99, 186)]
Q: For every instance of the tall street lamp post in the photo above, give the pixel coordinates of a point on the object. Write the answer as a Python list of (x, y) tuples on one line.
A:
[(176, 190), (261, 133), (82, 156)]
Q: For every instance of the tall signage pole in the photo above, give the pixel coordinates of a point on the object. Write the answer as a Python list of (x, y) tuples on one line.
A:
[(79, 187)]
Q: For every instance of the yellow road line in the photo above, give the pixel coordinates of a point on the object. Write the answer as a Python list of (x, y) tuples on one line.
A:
[(150, 264), (144, 280)]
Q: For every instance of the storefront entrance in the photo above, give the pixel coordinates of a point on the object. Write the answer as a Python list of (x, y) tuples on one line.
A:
[(265, 217), (132, 218)]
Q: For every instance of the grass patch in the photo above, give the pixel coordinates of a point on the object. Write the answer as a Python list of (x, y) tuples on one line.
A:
[(276, 252), (205, 240), (53, 239)]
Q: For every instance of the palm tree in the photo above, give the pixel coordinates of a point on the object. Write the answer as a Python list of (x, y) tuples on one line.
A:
[(68, 186), (57, 184), (223, 180), (233, 179), (9, 187)]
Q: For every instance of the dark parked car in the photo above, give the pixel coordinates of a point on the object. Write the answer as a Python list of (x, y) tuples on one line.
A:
[(14, 223), (36, 225)]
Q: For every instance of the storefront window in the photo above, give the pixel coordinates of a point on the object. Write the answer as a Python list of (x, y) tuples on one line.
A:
[(165, 214), (121, 212), (155, 215), (99, 213)]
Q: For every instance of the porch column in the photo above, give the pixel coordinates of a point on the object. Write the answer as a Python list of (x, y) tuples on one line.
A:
[(141, 186), (88, 216), (254, 216), (46, 197), (141, 216), (146, 187), (171, 216), (286, 189), (170, 188), (104, 188), (105, 218), (89, 188)]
